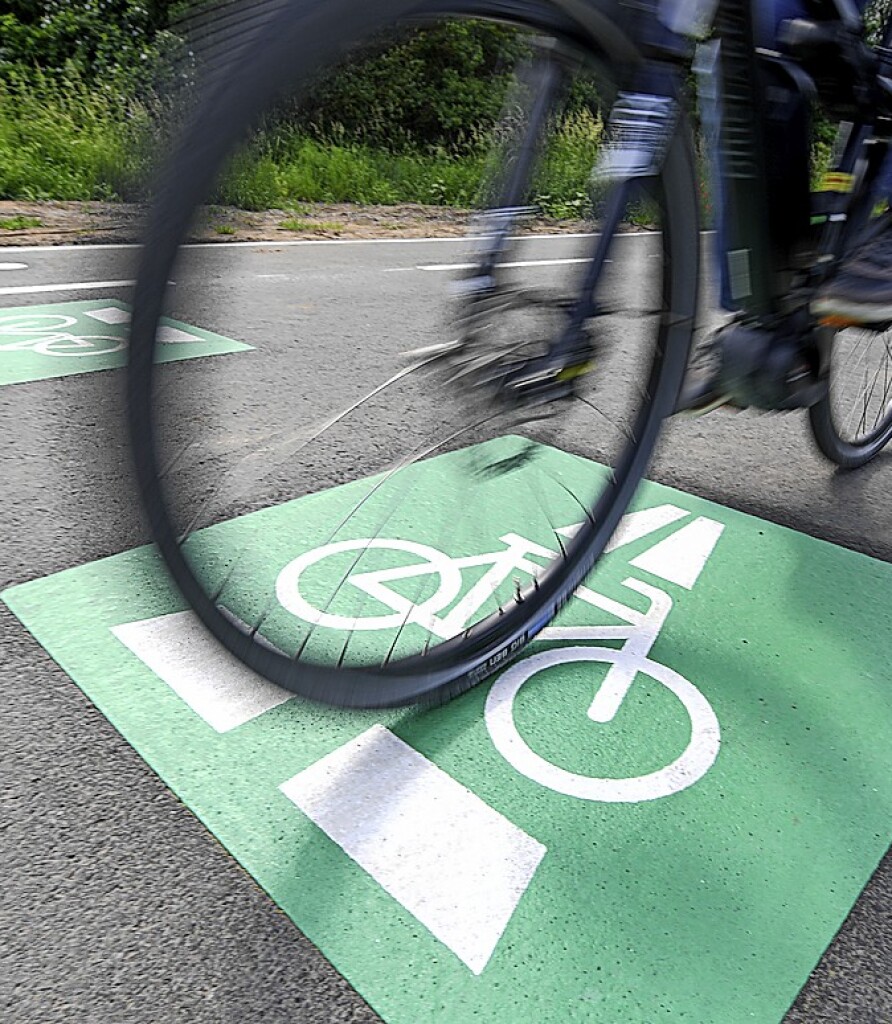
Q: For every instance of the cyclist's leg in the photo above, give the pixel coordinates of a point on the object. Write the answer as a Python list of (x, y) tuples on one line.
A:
[(706, 387)]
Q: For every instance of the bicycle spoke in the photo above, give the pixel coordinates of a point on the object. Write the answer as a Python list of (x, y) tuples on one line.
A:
[(302, 534), (288, 447)]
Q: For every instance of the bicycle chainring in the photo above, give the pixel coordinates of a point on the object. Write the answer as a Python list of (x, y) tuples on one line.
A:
[(507, 345)]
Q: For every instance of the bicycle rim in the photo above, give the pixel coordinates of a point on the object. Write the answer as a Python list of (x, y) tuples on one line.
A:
[(313, 497), (854, 422)]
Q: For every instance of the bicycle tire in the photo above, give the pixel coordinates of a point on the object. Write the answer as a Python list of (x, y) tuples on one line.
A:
[(830, 424), (310, 41), (828, 420), (852, 422)]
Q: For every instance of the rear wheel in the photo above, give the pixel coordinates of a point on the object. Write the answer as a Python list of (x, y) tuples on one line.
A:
[(370, 528), (853, 423)]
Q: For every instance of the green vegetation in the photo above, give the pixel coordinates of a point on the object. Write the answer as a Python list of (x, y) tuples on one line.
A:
[(285, 166), (295, 168), (122, 46), (88, 93), (71, 141), (80, 82), (224, 229), (318, 226), (82, 145), (19, 223), (90, 89), (437, 88)]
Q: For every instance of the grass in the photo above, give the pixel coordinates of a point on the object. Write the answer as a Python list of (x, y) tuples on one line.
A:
[(224, 229), (292, 168), (293, 224), (63, 140), (295, 168), (67, 141), (19, 223)]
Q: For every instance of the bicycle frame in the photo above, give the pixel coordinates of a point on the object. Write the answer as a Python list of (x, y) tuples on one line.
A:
[(779, 241)]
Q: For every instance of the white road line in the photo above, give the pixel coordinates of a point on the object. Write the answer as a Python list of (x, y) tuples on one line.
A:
[(455, 863), (519, 263), (13, 266), (455, 239), (288, 243), (79, 286)]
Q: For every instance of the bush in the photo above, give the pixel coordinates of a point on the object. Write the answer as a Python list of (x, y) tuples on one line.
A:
[(120, 43), (433, 88)]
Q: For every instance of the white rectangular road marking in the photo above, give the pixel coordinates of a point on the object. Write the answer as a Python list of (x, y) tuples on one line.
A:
[(81, 286), (109, 315), (215, 685), (450, 859)]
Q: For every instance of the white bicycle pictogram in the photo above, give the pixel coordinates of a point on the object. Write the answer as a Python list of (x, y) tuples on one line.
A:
[(48, 334), (638, 634)]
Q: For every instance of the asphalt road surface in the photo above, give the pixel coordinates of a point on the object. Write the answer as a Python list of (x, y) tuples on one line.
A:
[(117, 904)]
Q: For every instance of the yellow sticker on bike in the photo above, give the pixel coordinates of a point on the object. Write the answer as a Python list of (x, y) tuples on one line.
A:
[(837, 181)]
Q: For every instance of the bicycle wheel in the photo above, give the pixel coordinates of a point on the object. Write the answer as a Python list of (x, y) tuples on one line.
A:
[(342, 560), (854, 421)]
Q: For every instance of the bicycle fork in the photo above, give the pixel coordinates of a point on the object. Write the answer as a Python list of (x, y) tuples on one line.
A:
[(639, 634), (640, 128), (638, 642)]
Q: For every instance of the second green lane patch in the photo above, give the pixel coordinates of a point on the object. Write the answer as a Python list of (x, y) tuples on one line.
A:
[(40, 342)]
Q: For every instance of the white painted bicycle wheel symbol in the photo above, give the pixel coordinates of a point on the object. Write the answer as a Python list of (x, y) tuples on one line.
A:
[(688, 768), (433, 561), (47, 335)]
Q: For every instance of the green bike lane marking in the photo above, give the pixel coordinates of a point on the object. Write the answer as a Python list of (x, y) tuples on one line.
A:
[(434, 862), (56, 340)]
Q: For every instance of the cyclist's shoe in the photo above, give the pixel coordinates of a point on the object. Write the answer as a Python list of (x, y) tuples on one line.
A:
[(703, 391), (861, 291)]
